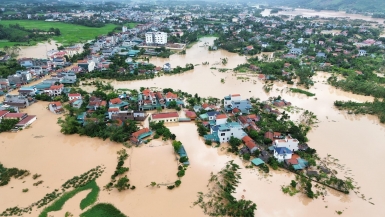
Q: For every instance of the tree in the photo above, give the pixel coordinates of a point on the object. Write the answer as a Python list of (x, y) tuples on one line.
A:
[(122, 184), (153, 184), (8, 124), (234, 143), (173, 105), (177, 145)]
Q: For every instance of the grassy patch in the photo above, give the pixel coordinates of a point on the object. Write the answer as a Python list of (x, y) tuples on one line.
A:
[(58, 204), (103, 210), (91, 197), (70, 33), (296, 90)]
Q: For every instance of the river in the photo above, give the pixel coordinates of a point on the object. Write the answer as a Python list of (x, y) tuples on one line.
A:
[(352, 139)]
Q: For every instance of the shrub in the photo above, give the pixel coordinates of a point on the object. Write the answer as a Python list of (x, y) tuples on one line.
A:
[(171, 187), (208, 142), (178, 182), (25, 190), (180, 173)]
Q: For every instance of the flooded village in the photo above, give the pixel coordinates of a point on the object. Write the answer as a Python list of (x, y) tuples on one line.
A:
[(232, 104)]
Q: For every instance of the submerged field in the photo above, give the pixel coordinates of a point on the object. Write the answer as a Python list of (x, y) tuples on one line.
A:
[(70, 33)]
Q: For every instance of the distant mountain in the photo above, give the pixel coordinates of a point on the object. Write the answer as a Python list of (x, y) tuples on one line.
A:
[(377, 6)]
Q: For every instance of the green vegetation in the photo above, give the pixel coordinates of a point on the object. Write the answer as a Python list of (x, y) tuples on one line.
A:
[(7, 173), (377, 107), (219, 201), (103, 210), (17, 33), (69, 33), (82, 181), (7, 125), (123, 182), (296, 90), (161, 130), (25, 190), (58, 204)]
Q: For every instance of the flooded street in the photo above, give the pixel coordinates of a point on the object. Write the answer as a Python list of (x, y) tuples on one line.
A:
[(352, 139), (38, 51)]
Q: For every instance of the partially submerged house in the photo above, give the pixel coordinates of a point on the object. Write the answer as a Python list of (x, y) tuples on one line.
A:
[(137, 137)]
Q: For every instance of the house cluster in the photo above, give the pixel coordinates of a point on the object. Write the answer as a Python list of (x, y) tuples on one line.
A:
[(150, 100), (10, 112)]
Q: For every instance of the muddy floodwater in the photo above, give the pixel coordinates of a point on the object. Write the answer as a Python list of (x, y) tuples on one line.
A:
[(322, 14), (356, 141), (38, 51)]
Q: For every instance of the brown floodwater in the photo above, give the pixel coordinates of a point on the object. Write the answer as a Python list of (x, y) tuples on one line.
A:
[(323, 14), (38, 51), (351, 139)]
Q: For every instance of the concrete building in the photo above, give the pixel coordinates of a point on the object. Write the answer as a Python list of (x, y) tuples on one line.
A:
[(166, 117), (156, 38), (18, 101), (288, 142)]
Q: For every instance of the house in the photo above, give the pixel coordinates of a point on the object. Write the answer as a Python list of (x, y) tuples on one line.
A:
[(26, 121), (321, 55), (55, 107), (212, 114), (147, 100), (76, 103), (19, 116), (273, 135), (296, 51), (190, 114), (55, 90), (2, 114), (281, 103), (197, 108), (167, 67), (222, 133), (128, 115), (234, 101), (247, 122), (95, 103), (166, 117), (250, 144), (137, 137), (72, 96), (112, 111), (220, 119), (362, 53), (18, 101), (171, 97), (287, 142), (161, 99), (282, 153)]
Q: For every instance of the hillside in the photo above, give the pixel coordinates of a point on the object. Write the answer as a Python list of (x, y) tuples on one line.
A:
[(377, 6)]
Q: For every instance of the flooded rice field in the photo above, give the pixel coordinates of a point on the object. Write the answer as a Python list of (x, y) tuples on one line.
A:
[(356, 141)]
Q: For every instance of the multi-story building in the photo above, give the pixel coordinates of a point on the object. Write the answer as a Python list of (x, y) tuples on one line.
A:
[(156, 38)]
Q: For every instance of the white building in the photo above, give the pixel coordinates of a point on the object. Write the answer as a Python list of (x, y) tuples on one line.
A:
[(226, 131), (72, 96), (288, 142), (282, 154), (124, 29), (156, 38), (227, 101)]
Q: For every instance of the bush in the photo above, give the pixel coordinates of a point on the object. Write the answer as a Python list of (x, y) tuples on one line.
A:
[(246, 156), (25, 190), (208, 142), (178, 182), (171, 187), (180, 173)]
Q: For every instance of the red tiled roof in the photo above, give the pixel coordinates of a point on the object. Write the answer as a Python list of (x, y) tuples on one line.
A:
[(54, 87), (171, 95), (246, 139), (250, 144), (115, 101), (236, 94), (221, 116), (14, 115), (2, 113), (74, 94), (236, 110), (140, 132), (103, 103), (165, 115), (113, 109), (191, 114), (205, 105), (26, 120), (55, 103)]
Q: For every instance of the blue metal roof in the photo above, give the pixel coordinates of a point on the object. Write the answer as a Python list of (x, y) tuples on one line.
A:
[(257, 161), (283, 150)]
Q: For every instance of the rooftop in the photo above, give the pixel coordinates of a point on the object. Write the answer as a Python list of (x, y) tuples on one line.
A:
[(165, 115)]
